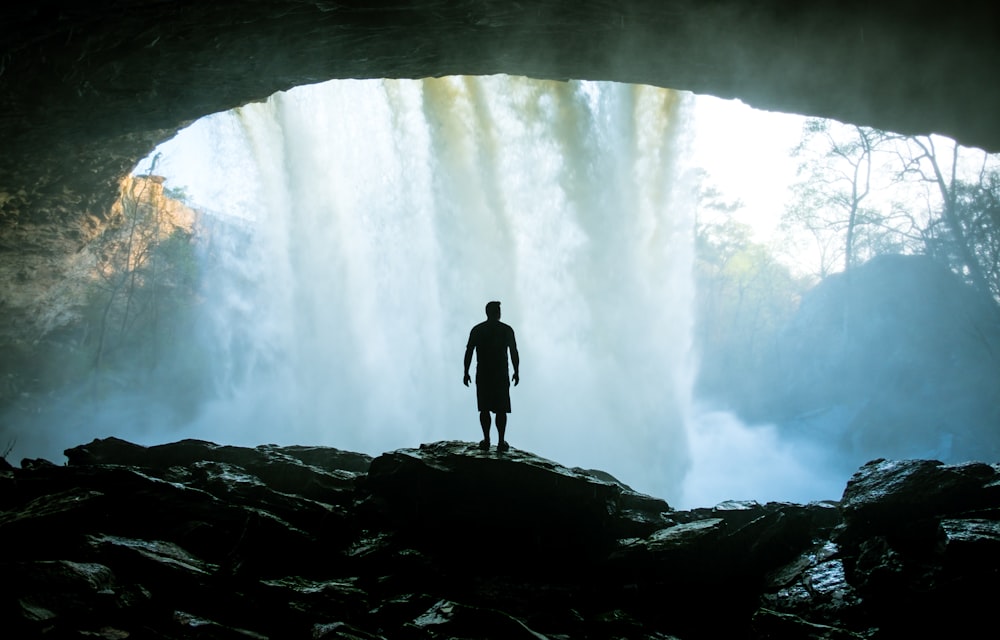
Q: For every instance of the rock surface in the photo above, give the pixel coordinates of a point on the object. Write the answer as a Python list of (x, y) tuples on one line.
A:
[(196, 540)]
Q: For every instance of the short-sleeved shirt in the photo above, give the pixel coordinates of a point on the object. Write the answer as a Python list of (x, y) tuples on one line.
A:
[(491, 340)]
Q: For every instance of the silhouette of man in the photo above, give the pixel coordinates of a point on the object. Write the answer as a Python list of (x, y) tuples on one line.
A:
[(491, 340)]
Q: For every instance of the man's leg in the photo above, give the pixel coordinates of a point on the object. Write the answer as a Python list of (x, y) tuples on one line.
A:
[(501, 428), (484, 422)]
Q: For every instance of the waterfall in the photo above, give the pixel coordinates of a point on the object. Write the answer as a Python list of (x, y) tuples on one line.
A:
[(358, 228)]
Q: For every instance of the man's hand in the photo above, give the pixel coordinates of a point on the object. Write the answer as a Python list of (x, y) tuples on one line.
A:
[(516, 378), (466, 379)]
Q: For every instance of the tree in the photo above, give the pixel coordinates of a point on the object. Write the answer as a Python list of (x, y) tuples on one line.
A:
[(977, 211), (960, 210), (841, 202)]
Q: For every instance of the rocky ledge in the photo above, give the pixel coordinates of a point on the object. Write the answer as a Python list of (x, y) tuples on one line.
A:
[(196, 540)]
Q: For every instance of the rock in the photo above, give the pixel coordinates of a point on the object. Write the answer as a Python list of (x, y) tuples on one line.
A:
[(194, 626), (814, 589), (887, 496), (515, 508), (341, 631), (971, 546), (35, 463), (312, 472), (146, 558), (92, 88), (196, 540), (109, 451), (43, 595), (447, 619), (774, 625), (911, 529)]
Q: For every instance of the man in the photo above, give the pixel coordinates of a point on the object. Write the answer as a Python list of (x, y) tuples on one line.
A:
[(491, 340)]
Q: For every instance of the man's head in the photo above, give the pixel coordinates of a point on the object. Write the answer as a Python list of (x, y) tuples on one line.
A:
[(493, 310)]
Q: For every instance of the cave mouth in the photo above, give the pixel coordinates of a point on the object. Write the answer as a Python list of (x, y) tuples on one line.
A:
[(717, 439), (326, 288), (386, 213), (415, 199), (275, 337)]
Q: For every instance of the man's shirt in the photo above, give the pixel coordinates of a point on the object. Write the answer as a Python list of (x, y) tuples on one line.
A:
[(491, 339)]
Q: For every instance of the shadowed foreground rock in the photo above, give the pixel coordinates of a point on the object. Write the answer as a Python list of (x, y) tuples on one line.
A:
[(196, 540)]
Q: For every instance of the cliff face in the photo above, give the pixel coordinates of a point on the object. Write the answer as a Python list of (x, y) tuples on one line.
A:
[(88, 90), (195, 540), (50, 268), (67, 283)]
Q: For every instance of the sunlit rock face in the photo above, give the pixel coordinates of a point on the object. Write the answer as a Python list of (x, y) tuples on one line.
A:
[(86, 91), (48, 267), (54, 274), (896, 355), (192, 539)]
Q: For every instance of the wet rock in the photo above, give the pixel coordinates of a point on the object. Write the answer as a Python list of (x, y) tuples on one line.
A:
[(519, 508), (814, 589), (195, 540), (919, 536), (153, 562), (341, 631), (775, 625), (108, 451), (886, 495), (44, 595), (447, 619), (971, 546), (36, 463), (734, 541), (307, 471), (192, 626)]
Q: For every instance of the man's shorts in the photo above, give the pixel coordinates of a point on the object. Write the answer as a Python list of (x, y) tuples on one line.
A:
[(493, 393)]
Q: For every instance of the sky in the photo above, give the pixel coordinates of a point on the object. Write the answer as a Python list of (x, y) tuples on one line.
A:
[(747, 153)]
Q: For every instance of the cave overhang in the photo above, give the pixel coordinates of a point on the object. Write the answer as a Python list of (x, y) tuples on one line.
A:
[(88, 90)]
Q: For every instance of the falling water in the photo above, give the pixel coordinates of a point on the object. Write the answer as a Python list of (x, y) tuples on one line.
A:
[(366, 225)]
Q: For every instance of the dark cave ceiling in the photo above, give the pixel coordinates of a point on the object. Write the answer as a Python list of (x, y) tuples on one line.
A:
[(87, 89)]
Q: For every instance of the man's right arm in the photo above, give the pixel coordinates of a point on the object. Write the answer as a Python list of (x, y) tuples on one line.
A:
[(468, 362)]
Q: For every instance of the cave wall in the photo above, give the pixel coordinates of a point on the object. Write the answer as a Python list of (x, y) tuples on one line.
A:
[(87, 89)]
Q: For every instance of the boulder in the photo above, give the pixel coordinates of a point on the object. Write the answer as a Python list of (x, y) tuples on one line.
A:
[(513, 508)]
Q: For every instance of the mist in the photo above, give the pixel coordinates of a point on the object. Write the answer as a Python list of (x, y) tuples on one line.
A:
[(351, 233)]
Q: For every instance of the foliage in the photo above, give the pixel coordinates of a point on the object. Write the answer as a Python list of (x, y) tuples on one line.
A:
[(745, 297), (977, 210), (179, 194)]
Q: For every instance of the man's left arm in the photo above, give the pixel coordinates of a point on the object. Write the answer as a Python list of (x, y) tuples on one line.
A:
[(515, 359)]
